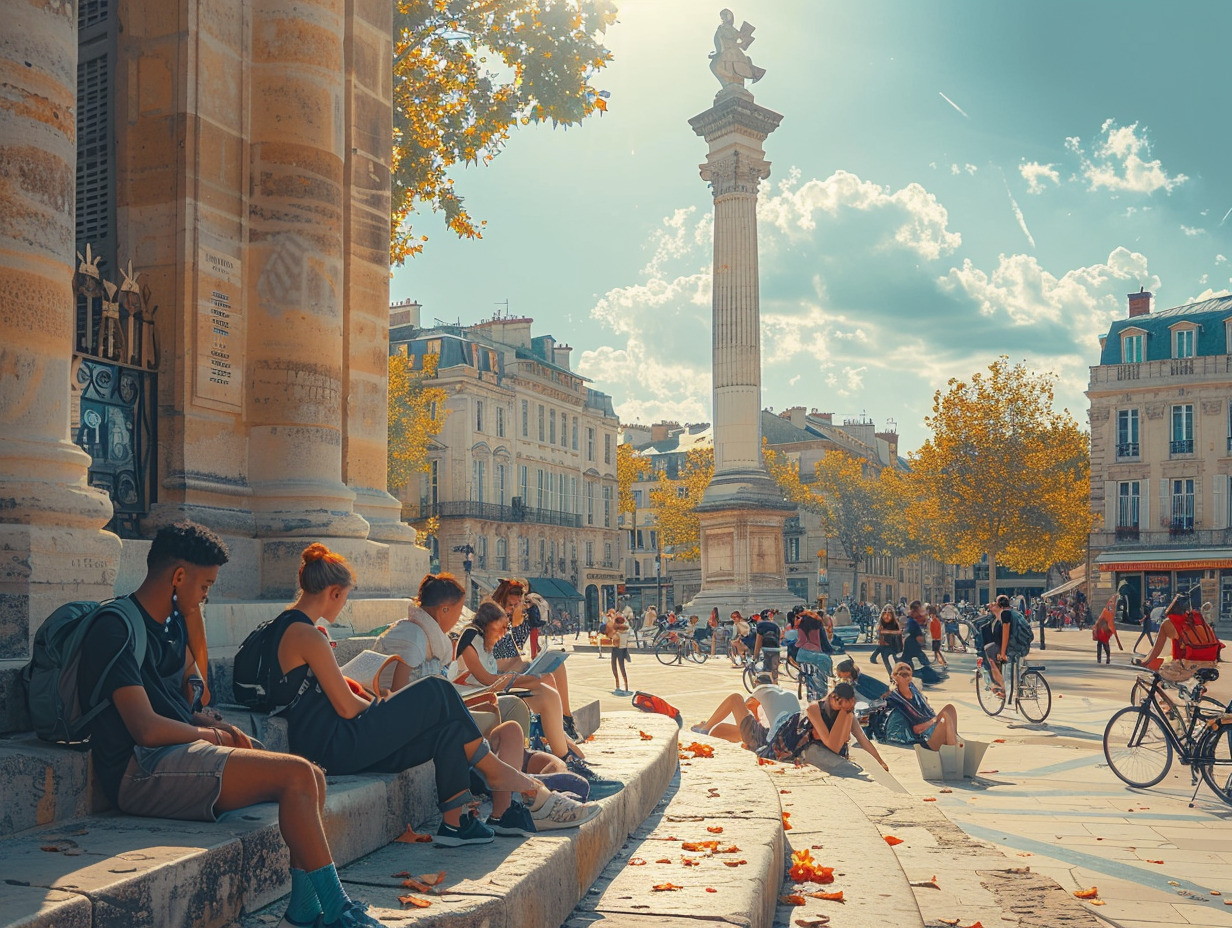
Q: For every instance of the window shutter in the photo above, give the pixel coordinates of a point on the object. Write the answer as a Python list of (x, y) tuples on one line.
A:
[(1144, 506), (1110, 505), (1164, 510), (1219, 502)]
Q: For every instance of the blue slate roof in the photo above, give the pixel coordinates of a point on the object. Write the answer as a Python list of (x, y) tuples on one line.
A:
[(1208, 315)]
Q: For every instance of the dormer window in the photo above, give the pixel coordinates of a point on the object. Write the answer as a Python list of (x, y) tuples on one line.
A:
[(1227, 337), (1132, 349), (1183, 343)]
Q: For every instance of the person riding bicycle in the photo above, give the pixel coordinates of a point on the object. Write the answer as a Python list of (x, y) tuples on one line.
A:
[(1194, 642), (1004, 638), (813, 645), (768, 637)]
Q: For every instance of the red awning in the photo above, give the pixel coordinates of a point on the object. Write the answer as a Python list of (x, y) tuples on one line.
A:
[(1166, 565)]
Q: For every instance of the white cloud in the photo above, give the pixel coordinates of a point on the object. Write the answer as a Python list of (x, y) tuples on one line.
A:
[(1209, 294), (1118, 162), (1035, 174), (1220, 259), (1191, 232), (969, 168)]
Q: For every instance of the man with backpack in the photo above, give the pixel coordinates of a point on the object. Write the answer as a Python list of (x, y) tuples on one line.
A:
[(1008, 637), (154, 756), (768, 637), (1194, 642)]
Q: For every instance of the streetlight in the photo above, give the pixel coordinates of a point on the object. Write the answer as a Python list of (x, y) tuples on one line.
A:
[(466, 550)]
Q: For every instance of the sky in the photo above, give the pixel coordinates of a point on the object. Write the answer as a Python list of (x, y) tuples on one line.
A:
[(951, 182)]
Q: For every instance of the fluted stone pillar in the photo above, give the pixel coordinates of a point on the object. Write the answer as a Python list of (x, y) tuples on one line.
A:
[(52, 547), (742, 512), (295, 280)]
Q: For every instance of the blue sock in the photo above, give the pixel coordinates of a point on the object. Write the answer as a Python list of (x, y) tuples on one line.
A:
[(304, 906), (332, 896)]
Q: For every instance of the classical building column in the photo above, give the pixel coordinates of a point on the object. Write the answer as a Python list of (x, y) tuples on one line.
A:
[(295, 275), (52, 546)]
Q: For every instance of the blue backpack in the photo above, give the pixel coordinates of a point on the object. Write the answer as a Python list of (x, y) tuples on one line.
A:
[(59, 712)]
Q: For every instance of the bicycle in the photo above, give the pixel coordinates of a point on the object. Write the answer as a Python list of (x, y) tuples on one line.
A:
[(673, 647), (1025, 687), (1191, 699), (812, 684), (754, 666), (1139, 741)]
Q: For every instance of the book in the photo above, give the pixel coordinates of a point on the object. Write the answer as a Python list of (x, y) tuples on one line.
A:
[(547, 661), (367, 668)]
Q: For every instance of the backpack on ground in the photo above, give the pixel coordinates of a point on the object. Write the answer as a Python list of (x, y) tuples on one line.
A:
[(789, 740), (256, 668), (59, 712), (648, 702), (1197, 639)]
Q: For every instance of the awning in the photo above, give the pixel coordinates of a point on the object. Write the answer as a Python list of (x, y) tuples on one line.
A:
[(1065, 587), (554, 588), (1165, 559)]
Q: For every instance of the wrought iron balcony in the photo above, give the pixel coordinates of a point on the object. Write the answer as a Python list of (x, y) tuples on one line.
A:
[(1173, 368), (1185, 536), (1126, 533), (1181, 446), (495, 512), (1126, 449)]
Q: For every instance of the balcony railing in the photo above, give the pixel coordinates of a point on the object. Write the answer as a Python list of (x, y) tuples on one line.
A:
[(495, 512), (1181, 446), (1126, 533), (1126, 449), (1184, 537), (1182, 368)]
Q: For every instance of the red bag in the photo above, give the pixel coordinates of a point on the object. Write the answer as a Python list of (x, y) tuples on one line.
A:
[(648, 702)]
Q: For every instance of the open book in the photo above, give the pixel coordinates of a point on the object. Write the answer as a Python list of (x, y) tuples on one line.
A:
[(545, 663), (372, 670)]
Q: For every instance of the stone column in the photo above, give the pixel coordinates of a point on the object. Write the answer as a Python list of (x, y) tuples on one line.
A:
[(52, 547), (294, 279)]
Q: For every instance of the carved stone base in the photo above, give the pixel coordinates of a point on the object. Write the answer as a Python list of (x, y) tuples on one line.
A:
[(742, 561)]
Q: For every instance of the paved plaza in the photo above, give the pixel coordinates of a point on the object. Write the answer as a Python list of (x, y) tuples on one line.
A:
[(1045, 795)]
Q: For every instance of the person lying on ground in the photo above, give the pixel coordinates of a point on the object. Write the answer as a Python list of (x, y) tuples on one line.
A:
[(348, 732), (931, 729), (746, 728), (476, 663), (154, 756), (510, 595), (422, 641)]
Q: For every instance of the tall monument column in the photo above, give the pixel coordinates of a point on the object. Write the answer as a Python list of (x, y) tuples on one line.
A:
[(742, 512), (52, 546)]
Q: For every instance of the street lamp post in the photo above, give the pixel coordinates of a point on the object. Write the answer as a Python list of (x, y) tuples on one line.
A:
[(466, 550)]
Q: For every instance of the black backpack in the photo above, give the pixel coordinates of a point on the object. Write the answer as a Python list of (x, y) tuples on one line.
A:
[(256, 669)]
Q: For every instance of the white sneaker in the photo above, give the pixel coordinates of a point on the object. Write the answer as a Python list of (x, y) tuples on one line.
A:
[(559, 811)]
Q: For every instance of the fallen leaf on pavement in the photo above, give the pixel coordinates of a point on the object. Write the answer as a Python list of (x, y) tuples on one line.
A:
[(784, 792), (691, 861), (924, 884), (829, 897), (930, 798), (415, 901), (715, 829), (786, 824), (1098, 902), (636, 862), (1154, 861), (646, 737), (1086, 893), (804, 869), (1215, 892), (998, 741), (814, 921), (793, 899), (417, 885), (699, 845), (410, 837), (663, 860), (734, 863), (666, 887), (711, 890), (1025, 854), (946, 790), (765, 762), (891, 840), (50, 848), (399, 875)]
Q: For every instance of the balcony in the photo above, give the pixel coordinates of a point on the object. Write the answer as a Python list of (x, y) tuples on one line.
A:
[(495, 512), (1126, 533), (1126, 449), (1182, 369), (1181, 527), (1180, 446), (1179, 534)]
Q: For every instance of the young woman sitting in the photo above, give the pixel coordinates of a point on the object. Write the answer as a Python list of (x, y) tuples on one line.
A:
[(813, 645), (931, 729), (347, 732), (477, 663), (510, 595), (422, 641)]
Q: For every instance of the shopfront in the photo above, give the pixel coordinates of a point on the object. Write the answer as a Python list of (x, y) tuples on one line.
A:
[(1155, 577)]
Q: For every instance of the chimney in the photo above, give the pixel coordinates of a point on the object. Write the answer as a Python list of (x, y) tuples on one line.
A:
[(796, 416), (561, 354), (404, 313), (661, 431), (1140, 303)]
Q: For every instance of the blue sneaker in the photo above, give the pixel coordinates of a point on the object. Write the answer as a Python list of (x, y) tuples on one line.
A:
[(469, 831), (355, 915), (516, 822)]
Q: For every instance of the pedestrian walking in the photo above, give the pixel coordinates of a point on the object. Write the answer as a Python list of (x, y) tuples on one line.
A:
[(934, 632), (1105, 628), (619, 632), (889, 638)]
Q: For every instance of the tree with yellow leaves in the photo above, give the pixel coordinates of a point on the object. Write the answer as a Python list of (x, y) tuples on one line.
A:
[(416, 415), (785, 471), (465, 73), (1004, 474), (675, 505), (630, 468), (857, 508)]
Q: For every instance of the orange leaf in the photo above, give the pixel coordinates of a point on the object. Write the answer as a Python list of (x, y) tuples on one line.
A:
[(415, 901), (998, 741), (636, 862), (398, 875), (410, 837), (930, 798), (715, 829), (786, 824), (793, 899), (663, 860), (666, 887), (784, 792), (646, 737), (734, 863), (433, 878), (1154, 861), (417, 885), (765, 762), (1087, 893), (891, 840), (690, 861), (830, 897), (709, 890)]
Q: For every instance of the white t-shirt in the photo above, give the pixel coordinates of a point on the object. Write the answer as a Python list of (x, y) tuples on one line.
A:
[(472, 637), (777, 703)]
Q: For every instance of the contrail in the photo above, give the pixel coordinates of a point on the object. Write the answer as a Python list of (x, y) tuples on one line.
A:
[(955, 105), (1226, 215), (1022, 222)]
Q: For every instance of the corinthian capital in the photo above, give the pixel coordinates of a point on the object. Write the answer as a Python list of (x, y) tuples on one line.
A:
[(735, 174)]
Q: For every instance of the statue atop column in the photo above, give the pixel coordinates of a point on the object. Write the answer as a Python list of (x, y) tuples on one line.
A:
[(729, 61)]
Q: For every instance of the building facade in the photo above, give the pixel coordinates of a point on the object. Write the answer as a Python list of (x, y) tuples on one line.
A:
[(523, 473), (1161, 451)]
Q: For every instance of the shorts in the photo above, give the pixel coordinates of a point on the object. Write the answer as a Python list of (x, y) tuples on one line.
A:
[(753, 733), (180, 781), (1180, 670), (923, 736)]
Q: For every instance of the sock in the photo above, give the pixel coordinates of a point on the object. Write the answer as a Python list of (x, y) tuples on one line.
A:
[(329, 889), (304, 906)]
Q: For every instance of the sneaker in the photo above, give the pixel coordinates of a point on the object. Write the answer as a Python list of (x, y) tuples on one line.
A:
[(571, 783), (570, 728), (579, 766), (516, 822), (559, 811), (700, 728), (469, 831), (355, 915)]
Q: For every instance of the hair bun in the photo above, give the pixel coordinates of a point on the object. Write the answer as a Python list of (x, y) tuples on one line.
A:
[(315, 552)]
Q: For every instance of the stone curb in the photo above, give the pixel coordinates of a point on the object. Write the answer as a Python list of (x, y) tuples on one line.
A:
[(523, 881), (728, 791)]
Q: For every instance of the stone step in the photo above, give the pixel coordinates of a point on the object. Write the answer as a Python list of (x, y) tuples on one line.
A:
[(108, 871)]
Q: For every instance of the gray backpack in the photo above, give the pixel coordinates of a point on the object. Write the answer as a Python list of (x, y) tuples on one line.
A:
[(59, 712)]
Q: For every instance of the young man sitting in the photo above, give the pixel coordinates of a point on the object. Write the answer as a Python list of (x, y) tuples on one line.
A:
[(775, 703), (155, 757)]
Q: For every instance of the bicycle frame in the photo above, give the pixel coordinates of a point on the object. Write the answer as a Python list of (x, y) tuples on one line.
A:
[(1185, 750)]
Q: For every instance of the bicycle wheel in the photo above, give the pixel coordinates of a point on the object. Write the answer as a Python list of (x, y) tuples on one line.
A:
[(751, 670), (1034, 697), (1136, 747), (697, 653), (1214, 759), (1137, 693), (989, 701), (667, 651)]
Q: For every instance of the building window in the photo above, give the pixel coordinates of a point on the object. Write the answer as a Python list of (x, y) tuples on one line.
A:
[(638, 539), (590, 554), (1182, 429), (1131, 349), (637, 499), (500, 421), (538, 487), (552, 426), (607, 448), (481, 552), (502, 554), (434, 482), (573, 497), (590, 503), (523, 486), (793, 549), (524, 553), (1127, 434), (654, 540), (543, 553), (478, 415), (541, 422), (500, 484), (590, 444), (1182, 506), (607, 507), (607, 554), (1128, 508), (1183, 340), (575, 430), (525, 419), (551, 494), (477, 480)]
